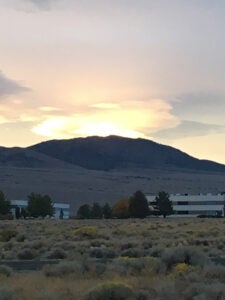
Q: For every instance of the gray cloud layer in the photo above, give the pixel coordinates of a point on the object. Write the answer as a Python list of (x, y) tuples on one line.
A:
[(41, 4), (189, 129), (9, 86)]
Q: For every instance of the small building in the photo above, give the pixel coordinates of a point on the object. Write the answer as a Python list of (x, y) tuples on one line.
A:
[(60, 209), (185, 205)]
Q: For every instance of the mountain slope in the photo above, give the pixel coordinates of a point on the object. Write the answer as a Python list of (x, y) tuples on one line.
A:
[(113, 152), (26, 158)]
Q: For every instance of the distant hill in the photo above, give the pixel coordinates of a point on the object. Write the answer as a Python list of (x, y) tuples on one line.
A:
[(25, 158), (116, 153)]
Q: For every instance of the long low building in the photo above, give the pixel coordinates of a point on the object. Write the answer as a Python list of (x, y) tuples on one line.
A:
[(60, 209), (185, 205)]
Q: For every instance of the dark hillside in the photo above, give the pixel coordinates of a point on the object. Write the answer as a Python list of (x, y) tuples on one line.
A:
[(24, 158), (113, 152)]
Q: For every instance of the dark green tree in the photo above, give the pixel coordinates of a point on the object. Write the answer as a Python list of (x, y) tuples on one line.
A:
[(4, 204), (107, 211), (96, 211), (24, 213), (84, 212), (139, 205), (40, 206), (164, 204), (18, 213)]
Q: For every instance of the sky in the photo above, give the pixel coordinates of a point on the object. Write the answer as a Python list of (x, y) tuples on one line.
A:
[(153, 69)]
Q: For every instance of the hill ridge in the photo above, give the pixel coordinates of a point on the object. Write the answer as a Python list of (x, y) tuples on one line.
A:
[(116, 152)]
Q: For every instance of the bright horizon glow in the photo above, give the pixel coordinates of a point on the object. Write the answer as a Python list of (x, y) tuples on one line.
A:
[(105, 129)]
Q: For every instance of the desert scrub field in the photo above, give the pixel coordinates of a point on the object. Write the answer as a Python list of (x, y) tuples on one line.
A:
[(114, 259)]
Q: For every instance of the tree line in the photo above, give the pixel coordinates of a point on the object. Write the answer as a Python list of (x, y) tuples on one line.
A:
[(95, 211), (38, 206), (136, 206)]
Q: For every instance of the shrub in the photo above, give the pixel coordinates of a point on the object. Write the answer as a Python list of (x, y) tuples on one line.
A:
[(156, 251), (89, 232), (102, 253), (215, 272), (27, 254), (168, 291), (7, 234), (7, 293), (110, 291), (57, 254), (145, 295), (198, 291), (135, 266), (46, 295), (6, 217), (64, 268), (96, 268), (5, 270), (127, 245), (182, 269), (189, 256), (20, 238), (132, 253)]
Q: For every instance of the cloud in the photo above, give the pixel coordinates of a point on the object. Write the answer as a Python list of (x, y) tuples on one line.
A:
[(103, 105), (41, 4), (187, 129), (3, 120), (131, 118), (9, 87), (49, 108), (201, 106)]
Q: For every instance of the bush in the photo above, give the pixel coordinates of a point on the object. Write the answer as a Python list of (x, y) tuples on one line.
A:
[(189, 256), (215, 272), (135, 266), (156, 251), (199, 291), (7, 294), (102, 253), (7, 234), (27, 254), (132, 253), (6, 217), (57, 254), (89, 232), (65, 268), (5, 270), (110, 291), (145, 295), (46, 295), (20, 238)]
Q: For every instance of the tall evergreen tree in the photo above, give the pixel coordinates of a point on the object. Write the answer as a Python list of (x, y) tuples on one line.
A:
[(164, 204), (96, 211), (84, 212), (4, 204), (107, 211), (139, 205)]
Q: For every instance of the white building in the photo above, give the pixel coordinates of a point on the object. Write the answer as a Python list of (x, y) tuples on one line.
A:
[(186, 205), (58, 208)]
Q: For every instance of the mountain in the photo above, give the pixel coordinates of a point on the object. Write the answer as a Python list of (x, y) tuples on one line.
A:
[(25, 158), (116, 153)]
